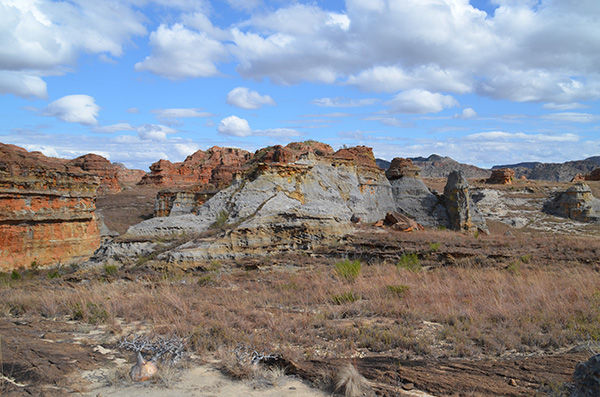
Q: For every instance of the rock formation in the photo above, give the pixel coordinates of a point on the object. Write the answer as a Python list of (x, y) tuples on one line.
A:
[(586, 378), (593, 176), (501, 176), (577, 203), (412, 198), (276, 207), (112, 176), (436, 166), (46, 210), (462, 212), (188, 198), (213, 169)]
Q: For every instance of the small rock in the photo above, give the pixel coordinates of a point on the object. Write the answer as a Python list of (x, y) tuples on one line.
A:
[(408, 386), (512, 382)]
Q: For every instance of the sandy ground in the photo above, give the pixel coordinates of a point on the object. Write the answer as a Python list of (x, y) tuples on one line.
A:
[(199, 381)]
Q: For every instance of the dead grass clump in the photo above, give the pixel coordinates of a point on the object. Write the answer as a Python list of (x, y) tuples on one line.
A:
[(350, 382)]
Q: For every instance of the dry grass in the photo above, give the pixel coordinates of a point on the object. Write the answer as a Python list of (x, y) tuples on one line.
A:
[(468, 307)]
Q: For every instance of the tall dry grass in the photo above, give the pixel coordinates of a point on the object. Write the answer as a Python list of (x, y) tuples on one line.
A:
[(465, 310)]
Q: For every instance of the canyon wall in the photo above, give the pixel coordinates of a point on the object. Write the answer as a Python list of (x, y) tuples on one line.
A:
[(47, 210)]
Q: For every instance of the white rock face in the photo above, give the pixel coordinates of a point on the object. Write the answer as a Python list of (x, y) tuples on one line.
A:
[(280, 207)]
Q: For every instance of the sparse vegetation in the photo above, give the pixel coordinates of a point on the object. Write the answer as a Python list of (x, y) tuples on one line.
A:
[(409, 261), (347, 269)]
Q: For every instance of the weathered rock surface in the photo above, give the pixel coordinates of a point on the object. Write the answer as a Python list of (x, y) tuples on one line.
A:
[(173, 202), (98, 165), (586, 378), (280, 207), (436, 166), (412, 198), (46, 210), (501, 176), (577, 203), (214, 169), (462, 212)]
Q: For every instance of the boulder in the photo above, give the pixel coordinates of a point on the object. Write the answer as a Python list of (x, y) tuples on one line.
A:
[(577, 203), (586, 378), (401, 222), (47, 210), (501, 176), (462, 211)]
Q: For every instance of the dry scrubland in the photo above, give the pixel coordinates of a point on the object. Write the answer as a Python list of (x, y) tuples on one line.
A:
[(430, 295)]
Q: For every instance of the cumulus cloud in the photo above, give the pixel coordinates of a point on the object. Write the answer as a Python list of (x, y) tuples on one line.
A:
[(242, 97), (154, 132), (41, 38), (80, 109), (420, 102), (179, 53), (339, 102), (467, 113), (234, 126)]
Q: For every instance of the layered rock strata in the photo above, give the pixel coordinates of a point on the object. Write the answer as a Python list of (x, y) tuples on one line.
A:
[(577, 203), (277, 207), (213, 168), (46, 210)]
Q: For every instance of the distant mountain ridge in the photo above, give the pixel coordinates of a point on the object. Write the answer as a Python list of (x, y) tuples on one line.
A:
[(554, 172), (436, 166)]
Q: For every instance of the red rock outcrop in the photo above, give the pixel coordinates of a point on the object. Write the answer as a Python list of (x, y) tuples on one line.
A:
[(213, 168), (47, 210), (593, 176), (128, 176), (362, 155), (98, 165), (401, 167), (502, 176)]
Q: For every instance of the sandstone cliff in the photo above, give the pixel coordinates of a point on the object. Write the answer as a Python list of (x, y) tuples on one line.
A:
[(214, 169), (46, 210), (113, 177), (277, 206)]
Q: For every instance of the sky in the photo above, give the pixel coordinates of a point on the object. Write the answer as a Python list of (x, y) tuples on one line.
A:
[(486, 82)]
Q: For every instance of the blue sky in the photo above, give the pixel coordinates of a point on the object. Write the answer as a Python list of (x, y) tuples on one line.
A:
[(485, 82)]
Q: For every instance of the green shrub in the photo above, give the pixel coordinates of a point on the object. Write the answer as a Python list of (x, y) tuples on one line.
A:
[(434, 247), (348, 269), (409, 261), (398, 290), (345, 297), (15, 275), (221, 220), (110, 269), (526, 258)]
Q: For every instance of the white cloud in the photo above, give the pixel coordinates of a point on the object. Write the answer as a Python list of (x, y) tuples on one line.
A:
[(421, 102), (501, 136), (340, 102), (467, 113), (177, 113), (80, 109), (22, 84), (113, 128), (40, 38), (179, 53), (234, 126), (573, 117), (243, 98), (154, 132), (282, 133), (564, 106)]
